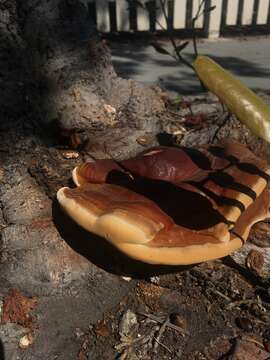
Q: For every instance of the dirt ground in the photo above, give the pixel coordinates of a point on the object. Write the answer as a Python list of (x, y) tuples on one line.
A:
[(66, 294)]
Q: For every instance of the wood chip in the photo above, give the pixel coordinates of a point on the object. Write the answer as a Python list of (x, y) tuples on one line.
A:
[(255, 261), (70, 154), (145, 140)]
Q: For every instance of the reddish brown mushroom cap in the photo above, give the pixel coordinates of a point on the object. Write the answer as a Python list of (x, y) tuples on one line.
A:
[(231, 179), (94, 172)]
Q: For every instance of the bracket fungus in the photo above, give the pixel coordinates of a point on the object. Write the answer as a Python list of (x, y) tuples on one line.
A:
[(172, 205)]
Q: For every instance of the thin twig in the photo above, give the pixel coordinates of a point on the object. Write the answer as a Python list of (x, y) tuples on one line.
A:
[(161, 320), (176, 114), (159, 23), (160, 333), (226, 118), (180, 58), (249, 339), (177, 54), (241, 302), (194, 38), (220, 294), (152, 317), (196, 17), (163, 345), (125, 344), (211, 286)]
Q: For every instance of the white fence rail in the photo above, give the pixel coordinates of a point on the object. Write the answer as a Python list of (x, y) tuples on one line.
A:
[(228, 17)]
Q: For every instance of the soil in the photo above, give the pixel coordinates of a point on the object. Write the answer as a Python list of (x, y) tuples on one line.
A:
[(83, 299)]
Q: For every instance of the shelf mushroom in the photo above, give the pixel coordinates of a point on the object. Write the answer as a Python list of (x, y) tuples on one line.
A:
[(173, 206)]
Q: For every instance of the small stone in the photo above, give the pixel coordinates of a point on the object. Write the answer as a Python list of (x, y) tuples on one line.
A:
[(267, 346), (255, 261), (145, 140), (26, 341), (244, 323), (70, 154)]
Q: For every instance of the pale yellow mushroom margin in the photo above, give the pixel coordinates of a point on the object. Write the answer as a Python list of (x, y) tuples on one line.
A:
[(118, 226), (116, 229)]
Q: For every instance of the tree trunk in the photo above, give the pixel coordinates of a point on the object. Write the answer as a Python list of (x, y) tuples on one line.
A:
[(70, 82)]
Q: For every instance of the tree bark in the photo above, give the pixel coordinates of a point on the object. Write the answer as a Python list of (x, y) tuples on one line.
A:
[(70, 83)]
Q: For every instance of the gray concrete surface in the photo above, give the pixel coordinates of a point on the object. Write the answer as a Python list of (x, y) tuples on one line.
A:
[(247, 58)]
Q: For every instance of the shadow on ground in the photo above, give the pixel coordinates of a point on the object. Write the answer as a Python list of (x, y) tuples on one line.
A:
[(2, 353), (140, 61)]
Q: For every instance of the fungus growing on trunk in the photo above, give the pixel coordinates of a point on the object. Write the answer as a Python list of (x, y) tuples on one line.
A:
[(179, 206)]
